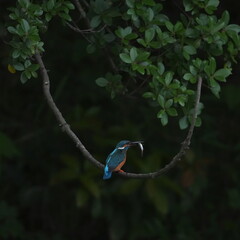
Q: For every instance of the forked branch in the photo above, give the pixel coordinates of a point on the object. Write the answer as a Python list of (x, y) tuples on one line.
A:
[(66, 128)]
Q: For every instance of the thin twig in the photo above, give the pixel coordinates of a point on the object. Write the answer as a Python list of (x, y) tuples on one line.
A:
[(82, 12), (83, 32), (138, 88), (66, 128), (80, 8), (86, 3), (76, 29), (62, 122), (90, 30)]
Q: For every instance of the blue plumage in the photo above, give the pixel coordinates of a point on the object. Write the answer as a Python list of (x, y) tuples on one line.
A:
[(117, 158), (107, 173)]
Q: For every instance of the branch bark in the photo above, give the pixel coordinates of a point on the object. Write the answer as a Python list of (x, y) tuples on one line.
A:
[(62, 122), (66, 128)]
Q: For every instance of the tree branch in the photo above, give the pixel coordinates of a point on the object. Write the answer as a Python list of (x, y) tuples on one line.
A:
[(82, 12), (66, 128), (62, 122), (185, 145)]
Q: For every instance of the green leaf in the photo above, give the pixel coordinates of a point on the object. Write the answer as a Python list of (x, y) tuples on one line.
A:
[(198, 122), (163, 116), (140, 69), (186, 55), (161, 68), (212, 65), (12, 16), (48, 17), (193, 70), (188, 5), (215, 87), (25, 25), (65, 16), (38, 12), (212, 3), (28, 74), (142, 42), (131, 36), (181, 100), (183, 123), (18, 66), (27, 63), (172, 112), (164, 119), (168, 78), (130, 3), (12, 30), (109, 37), (23, 78), (69, 5), (133, 54), (102, 82), (148, 95), (33, 67), (169, 26), (191, 33), (178, 27), (125, 58), (50, 4), (127, 31), (150, 14), (211, 6), (16, 53), (161, 100), (187, 76), (143, 56), (169, 103), (190, 49), (95, 21), (24, 3), (34, 74), (225, 17), (233, 27), (175, 84), (222, 73), (149, 34)]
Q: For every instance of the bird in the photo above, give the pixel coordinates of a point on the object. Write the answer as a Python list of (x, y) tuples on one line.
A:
[(117, 158)]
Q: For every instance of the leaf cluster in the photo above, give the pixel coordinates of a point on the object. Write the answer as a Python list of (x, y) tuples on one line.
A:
[(28, 21), (172, 55), (146, 47)]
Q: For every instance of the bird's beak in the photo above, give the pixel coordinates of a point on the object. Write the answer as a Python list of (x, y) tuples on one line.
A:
[(139, 143)]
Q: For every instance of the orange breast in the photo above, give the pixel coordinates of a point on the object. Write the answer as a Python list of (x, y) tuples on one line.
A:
[(120, 166)]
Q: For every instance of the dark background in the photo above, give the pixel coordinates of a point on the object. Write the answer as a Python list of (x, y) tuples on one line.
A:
[(49, 191)]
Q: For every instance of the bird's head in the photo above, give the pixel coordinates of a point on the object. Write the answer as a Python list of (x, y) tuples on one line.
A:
[(125, 144)]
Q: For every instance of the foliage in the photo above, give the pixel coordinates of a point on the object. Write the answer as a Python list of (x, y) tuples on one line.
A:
[(30, 19), (169, 56)]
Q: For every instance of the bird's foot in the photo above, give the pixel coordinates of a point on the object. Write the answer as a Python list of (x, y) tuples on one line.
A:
[(120, 170)]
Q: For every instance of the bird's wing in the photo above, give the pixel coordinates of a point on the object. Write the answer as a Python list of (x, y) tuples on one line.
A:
[(114, 159)]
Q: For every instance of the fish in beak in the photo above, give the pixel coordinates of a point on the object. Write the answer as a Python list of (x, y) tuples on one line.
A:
[(139, 143)]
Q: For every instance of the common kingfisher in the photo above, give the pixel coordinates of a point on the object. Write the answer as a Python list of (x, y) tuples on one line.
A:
[(117, 158)]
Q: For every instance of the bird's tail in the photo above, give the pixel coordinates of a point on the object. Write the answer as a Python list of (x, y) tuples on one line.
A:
[(107, 173)]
